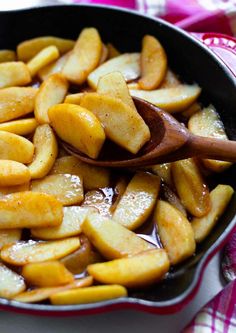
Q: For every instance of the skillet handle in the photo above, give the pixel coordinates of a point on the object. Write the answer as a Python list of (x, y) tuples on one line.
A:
[(223, 46)]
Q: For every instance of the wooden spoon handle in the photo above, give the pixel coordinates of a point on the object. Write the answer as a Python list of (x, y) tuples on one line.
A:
[(224, 150)]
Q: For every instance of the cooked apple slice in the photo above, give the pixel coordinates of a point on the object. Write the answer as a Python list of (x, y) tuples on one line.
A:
[(104, 54), (47, 274), (114, 85), (7, 55), (41, 294), (11, 283), (78, 261), (33, 210), (153, 63), (53, 68), (175, 232), (191, 110), (5, 190), (141, 270), (20, 127), (13, 173), (127, 64), (88, 295), (112, 51), (108, 237), (93, 177), (119, 190), (100, 200), (207, 123), (191, 188), (16, 102), (14, 73), (29, 48), (68, 189), (79, 127), (170, 80), (15, 147), (22, 253), (51, 92), (8, 236), (84, 57), (73, 218), (173, 100), (74, 98), (46, 151), (42, 59), (220, 198), (170, 196), (137, 202), (121, 123)]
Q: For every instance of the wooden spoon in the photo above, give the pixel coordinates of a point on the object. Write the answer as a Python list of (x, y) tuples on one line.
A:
[(170, 141)]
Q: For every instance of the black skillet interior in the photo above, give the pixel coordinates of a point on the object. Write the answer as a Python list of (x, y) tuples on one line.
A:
[(186, 57)]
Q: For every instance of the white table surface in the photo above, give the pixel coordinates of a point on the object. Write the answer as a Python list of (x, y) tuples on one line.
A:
[(118, 321)]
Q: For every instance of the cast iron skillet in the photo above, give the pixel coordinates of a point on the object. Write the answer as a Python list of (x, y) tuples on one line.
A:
[(194, 62)]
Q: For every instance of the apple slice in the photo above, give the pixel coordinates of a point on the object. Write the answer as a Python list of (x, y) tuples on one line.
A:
[(153, 63), (13, 173), (16, 102), (67, 189), (88, 295), (51, 92), (7, 55), (111, 238), (33, 210), (11, 283), (42, 59), (53, 68), (79, 127), (141, 270), (121, 123), (20, 127), (8, 236), (173, 100), (15, 147), (127, 64), (14, 73), (137, 202), (22, 253), (84, 57)]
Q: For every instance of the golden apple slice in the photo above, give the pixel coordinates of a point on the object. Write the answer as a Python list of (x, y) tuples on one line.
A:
[(207, 123), (127, 64), (8, 236), (13, 173), (84, 57), (191, 110), (7, 55), (93, 177), (16, 102), (22, 253), (11, 283), (141, 270), (41, 294), (164, 172), (79, 127), (170, 80), (112, 239), (15, 147), (42, 59), (29, 48), (112, 51), (121, 123), (14, 73), (51, 92), (88, 295), (73, 218), (20, 127), (191, 188), (53, 68), (220, 198), (33, 210), (138, 201), (175, 232), (173, 100), (74, 98), (46, 274), (114, 85), (46, 151), (170, 196), (67, 189), (78, 261), (5, 190), (153, 63)]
